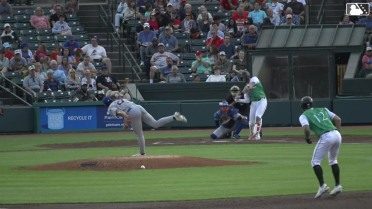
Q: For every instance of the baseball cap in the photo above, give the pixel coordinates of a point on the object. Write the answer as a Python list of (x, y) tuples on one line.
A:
[(31, 67), (6, 45), (18, 51), (161, 44), (169, 4), (289, 16), (197, 53), (24, 44), (6, 25), (183, 1), (96, 37), (222, 53), (146, 25), (71, 38), (369, 48)]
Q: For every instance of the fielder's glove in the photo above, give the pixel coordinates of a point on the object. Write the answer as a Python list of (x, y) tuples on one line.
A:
[(308, 140)]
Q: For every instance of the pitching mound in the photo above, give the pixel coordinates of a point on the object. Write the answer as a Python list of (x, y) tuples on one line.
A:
[(135, 163)]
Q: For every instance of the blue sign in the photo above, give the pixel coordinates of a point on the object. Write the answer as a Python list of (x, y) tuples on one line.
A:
[(77, 118)]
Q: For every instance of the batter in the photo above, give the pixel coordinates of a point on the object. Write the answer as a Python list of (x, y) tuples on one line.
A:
[(325, 124)]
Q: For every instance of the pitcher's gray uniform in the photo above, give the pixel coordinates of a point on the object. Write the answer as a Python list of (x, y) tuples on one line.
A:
[(137, 114)]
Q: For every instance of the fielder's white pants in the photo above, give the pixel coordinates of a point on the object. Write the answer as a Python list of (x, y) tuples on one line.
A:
[(329, 143)]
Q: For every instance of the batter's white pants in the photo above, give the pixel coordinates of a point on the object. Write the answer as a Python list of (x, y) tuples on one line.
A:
[(329, 143), (257, 110)]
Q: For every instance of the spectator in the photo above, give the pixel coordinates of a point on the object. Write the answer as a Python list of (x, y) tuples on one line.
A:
[(169, 10), (45, 63), (159, 59), (345, 20), (89, 80), (297, 8), (55, 17), (150, 50), (366, 63), (220, 25), (50, 84), (120, 14), (304, 1), (27, 53), (274, 18), (224, 64), (169, 40), (213, 55), (130, 12), (84, 95), (249, 38), (295, 18), (163, 19), (240, 17), (61, 27), (58, 75), (33, 84), (71, 44), (105, 80), (143, 6), (97, 53), (187, 9), (289, 21), (79, 56), (9, 35), (214, 41), (65, 52), (39, 20), (203, 11), (257, 15), (188, 23), (18, 63), (228, 5), (175, 4), (153, 22), (175, 76), (164, 71), (143, 40), (196, 78), (160, 5), (228, 48), (239, 67), (72, 7), (204, 24), (201, 65), (5, 9), (175, 22), (216, 76), (65, 66), (232, 29), (8, 51), (4, 62), (72, 81), (41, 53), (83, 66), (368, 22), (214, 26), (275, 6), (40, 72)]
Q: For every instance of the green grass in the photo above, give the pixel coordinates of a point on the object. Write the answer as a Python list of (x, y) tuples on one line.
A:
[(282, 169)]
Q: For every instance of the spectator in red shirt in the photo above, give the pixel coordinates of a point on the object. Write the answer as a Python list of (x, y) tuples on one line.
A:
[(240, 16), (214, 41), (228, 5), (8, 51)]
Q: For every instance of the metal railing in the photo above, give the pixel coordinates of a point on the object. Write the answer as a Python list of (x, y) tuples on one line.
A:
[(14, 87), (320, 15), (125, 55)]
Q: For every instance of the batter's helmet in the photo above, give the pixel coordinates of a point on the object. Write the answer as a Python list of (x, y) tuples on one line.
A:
[(306, 102), (107, 101)]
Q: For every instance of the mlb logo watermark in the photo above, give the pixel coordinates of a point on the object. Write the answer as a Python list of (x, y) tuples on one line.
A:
[(357, 9)]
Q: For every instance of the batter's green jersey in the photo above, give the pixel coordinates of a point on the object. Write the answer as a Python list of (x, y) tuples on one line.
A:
[(319, 121), (257, 93)]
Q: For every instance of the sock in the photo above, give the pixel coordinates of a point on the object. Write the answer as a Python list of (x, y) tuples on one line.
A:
[(319, 174), (336, 173), (213, 136), (151, 80)]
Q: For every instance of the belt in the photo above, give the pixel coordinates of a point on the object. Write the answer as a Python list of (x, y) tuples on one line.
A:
[(129, 110), (328, 131)]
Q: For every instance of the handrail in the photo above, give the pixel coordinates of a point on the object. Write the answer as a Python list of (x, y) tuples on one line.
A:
[(18, 87), (320, 15)]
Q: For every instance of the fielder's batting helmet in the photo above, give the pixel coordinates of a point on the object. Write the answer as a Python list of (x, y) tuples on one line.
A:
[(107, 101), (306, 102)]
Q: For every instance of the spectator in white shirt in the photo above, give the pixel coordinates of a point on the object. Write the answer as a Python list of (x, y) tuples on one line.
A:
[(216, 77), (97, 53)]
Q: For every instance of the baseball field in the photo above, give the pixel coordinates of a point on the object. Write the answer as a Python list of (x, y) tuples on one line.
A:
[(182, 169)]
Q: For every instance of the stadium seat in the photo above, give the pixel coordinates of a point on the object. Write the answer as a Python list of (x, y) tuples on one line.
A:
[(22, 18), (28, 39), (77, 30), (27, 32), (50, 45), (81, 37), (73, 23), (44, 32), (186, 63), (188, 56), (62, 95), (72, 17), (184, 45), (184, 70), (46, 39), (61, 38), (18, 12), (22, 25), (212, 8), (198, 48), (43, 96), (7, 19), (33, 46), (198, 42), (181, 35)]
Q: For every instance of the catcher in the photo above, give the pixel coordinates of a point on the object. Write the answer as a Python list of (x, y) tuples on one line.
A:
[(226, 119), (135, 114)]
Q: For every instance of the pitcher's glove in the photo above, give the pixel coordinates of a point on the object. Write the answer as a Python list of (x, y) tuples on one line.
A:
[(308, 140)]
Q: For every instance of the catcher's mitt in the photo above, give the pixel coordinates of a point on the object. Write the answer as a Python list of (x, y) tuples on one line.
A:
[(224, 119)]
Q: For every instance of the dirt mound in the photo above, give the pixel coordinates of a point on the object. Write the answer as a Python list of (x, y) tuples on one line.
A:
[(135, 163)]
